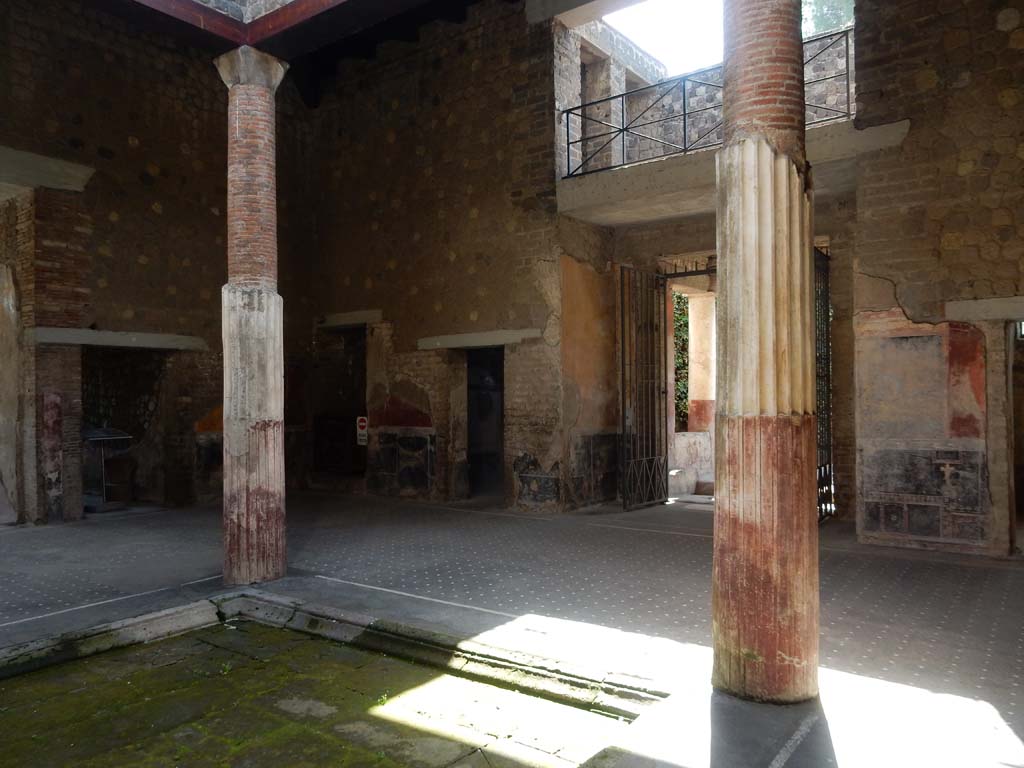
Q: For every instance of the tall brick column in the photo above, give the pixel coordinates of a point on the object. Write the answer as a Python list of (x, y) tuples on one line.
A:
[(765, 580), (254, 515)]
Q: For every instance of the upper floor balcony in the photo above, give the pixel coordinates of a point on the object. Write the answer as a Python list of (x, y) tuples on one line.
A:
[(608, 174), (684, 114)]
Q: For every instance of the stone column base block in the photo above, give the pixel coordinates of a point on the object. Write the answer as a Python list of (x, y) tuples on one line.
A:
[(765, 598), (254, 481)]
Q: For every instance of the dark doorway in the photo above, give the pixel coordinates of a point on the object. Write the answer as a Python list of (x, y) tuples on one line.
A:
[(1017, 420), (485, 423), (339, 398), (125, 440)]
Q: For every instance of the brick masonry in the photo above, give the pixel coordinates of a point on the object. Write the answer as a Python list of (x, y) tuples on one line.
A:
[(439, 211), (940, 218), (452, 230), (143, 247), (764, 69), (252, 185), (935, 220)]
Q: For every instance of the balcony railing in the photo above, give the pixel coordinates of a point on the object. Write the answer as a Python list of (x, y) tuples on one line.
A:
[(685, 113)]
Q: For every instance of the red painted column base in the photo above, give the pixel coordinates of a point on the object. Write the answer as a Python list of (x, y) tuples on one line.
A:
[(764, 582), (254, 516)]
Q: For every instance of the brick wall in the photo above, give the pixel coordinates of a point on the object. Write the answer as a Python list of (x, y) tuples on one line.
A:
[(408, 397), (146, 239), (614, 45), (942, 214), (455, 191), (452, 229), (62, 298), (567, 72), (146, 236), (143, 247), (939, 218), (436, 206)]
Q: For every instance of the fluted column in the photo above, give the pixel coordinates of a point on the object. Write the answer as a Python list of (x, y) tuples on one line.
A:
[(252, 311), (765, 581)]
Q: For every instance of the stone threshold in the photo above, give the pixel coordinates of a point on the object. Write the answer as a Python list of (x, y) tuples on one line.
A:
[(616, 693)]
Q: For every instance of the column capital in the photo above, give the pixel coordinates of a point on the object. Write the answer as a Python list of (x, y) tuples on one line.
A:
[(248, 66)]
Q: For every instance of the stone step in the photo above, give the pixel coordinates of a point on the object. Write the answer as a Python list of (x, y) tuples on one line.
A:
[(705, 488), (684, 481)]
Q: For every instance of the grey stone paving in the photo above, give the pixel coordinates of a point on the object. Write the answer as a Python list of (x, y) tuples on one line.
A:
[(946, 624)]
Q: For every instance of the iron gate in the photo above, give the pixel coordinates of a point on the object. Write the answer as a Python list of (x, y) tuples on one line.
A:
[(644, 449), (823, 384), (643, 455)]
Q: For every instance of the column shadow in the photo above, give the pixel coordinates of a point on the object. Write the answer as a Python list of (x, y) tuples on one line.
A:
[(747, 733)]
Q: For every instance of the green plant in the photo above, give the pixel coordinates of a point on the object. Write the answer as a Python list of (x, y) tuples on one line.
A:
[(681, 322)]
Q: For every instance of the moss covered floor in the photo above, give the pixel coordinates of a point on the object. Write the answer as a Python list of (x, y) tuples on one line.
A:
[(248, 695)]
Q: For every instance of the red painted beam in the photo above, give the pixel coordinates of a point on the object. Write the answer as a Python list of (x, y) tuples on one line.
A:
[(300, 27), (314, 24), (202, 17)]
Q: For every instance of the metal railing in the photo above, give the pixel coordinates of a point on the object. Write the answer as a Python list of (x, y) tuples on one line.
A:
[(685, 113)]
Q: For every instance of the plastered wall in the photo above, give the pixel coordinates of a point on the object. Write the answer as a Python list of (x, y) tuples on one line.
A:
[(939, 219)]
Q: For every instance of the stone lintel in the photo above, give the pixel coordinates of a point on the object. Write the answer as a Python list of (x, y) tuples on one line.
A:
[(480, 339), (572, 13), (698, 285), (247, 66), (26, 169), (350, 319), (975, 310), (137, 340)]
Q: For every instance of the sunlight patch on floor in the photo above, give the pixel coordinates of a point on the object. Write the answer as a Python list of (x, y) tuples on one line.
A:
[(861, 722), (500, 722), (875, 722)]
